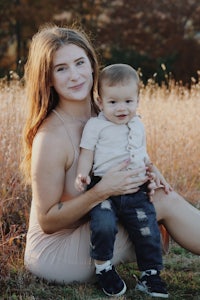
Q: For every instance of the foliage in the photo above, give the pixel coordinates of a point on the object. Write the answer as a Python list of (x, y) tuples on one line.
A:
[(148, 67), (164, 31)]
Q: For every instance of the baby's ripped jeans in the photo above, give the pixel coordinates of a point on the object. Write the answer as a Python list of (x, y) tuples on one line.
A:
[(137, 214)]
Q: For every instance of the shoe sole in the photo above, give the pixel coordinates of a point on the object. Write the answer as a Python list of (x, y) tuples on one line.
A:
[(154, 294), (118, 294)]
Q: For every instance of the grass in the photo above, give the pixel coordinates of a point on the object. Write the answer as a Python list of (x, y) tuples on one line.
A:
[(171, 117), (182, 274)]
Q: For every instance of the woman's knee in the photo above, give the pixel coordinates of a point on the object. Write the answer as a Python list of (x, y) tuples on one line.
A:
[(165, 203)]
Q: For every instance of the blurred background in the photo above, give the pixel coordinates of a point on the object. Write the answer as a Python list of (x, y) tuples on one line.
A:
[(158, 37)]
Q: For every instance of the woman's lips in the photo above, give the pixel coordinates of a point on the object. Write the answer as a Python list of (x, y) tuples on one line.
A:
[(77, 87)]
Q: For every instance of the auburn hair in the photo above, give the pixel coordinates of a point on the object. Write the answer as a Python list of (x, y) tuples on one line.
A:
[(41, 97)]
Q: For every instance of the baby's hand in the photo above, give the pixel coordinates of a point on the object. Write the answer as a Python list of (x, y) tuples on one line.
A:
[(157, 180), (81, 182)]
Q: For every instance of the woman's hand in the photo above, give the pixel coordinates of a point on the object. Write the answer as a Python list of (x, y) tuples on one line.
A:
[(120, 181)]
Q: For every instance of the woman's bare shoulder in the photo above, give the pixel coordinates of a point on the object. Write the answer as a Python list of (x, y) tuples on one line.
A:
[(50, 125), (50, 131), (52, 142)]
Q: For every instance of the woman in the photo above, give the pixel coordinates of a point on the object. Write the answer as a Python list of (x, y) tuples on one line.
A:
[(61, 78)]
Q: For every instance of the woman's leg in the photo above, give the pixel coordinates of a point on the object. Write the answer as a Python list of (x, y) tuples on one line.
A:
[(180, 218)]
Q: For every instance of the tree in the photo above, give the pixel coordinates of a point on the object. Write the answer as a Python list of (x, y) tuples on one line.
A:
[(143, 33), (157, 31)]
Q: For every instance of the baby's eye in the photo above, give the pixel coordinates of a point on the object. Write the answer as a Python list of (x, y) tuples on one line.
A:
[(112, 102), (129, 101)]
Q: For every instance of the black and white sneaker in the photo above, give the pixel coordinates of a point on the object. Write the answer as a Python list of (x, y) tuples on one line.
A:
[(151, 284), (110, 282)]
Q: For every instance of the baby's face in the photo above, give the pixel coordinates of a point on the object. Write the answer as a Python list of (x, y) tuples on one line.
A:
[(119, 103)]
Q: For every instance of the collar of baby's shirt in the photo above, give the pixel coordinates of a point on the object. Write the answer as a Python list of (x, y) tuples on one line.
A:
[(134, 119)]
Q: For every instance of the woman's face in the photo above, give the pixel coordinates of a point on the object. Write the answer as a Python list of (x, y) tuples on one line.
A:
[(72, 73)]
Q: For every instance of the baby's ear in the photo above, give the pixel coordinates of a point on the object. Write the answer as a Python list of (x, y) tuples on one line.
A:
[(99, 102)]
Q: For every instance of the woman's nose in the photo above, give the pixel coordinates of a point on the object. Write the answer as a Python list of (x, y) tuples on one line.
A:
[(74, 74)]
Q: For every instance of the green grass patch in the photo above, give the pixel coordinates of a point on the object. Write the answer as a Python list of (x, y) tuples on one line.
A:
[(181, 273)]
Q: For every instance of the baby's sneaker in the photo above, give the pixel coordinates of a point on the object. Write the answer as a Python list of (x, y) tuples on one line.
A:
[(151, 284), (110, 282)]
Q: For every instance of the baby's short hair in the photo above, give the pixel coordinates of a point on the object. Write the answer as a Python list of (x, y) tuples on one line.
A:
[(117, 73)]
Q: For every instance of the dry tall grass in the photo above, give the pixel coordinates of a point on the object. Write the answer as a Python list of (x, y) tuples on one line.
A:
[(172, 121), (171, 117), (14, 198)]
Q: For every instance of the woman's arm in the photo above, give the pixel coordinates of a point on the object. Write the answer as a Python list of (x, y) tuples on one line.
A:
[(56, 208)]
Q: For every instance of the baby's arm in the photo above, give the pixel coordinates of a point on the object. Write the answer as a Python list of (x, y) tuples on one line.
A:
[(85, 163)]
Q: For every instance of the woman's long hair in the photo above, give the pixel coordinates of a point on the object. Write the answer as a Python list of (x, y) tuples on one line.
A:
[(41, 97)]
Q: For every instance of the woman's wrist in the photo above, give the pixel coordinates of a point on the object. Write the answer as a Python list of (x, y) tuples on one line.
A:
[(100, 192)]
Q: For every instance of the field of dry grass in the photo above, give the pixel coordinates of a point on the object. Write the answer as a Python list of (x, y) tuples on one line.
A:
[(171, 118)]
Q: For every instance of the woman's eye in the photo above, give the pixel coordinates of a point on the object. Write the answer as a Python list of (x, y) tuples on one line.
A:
[(80, 62), (61, 69)]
